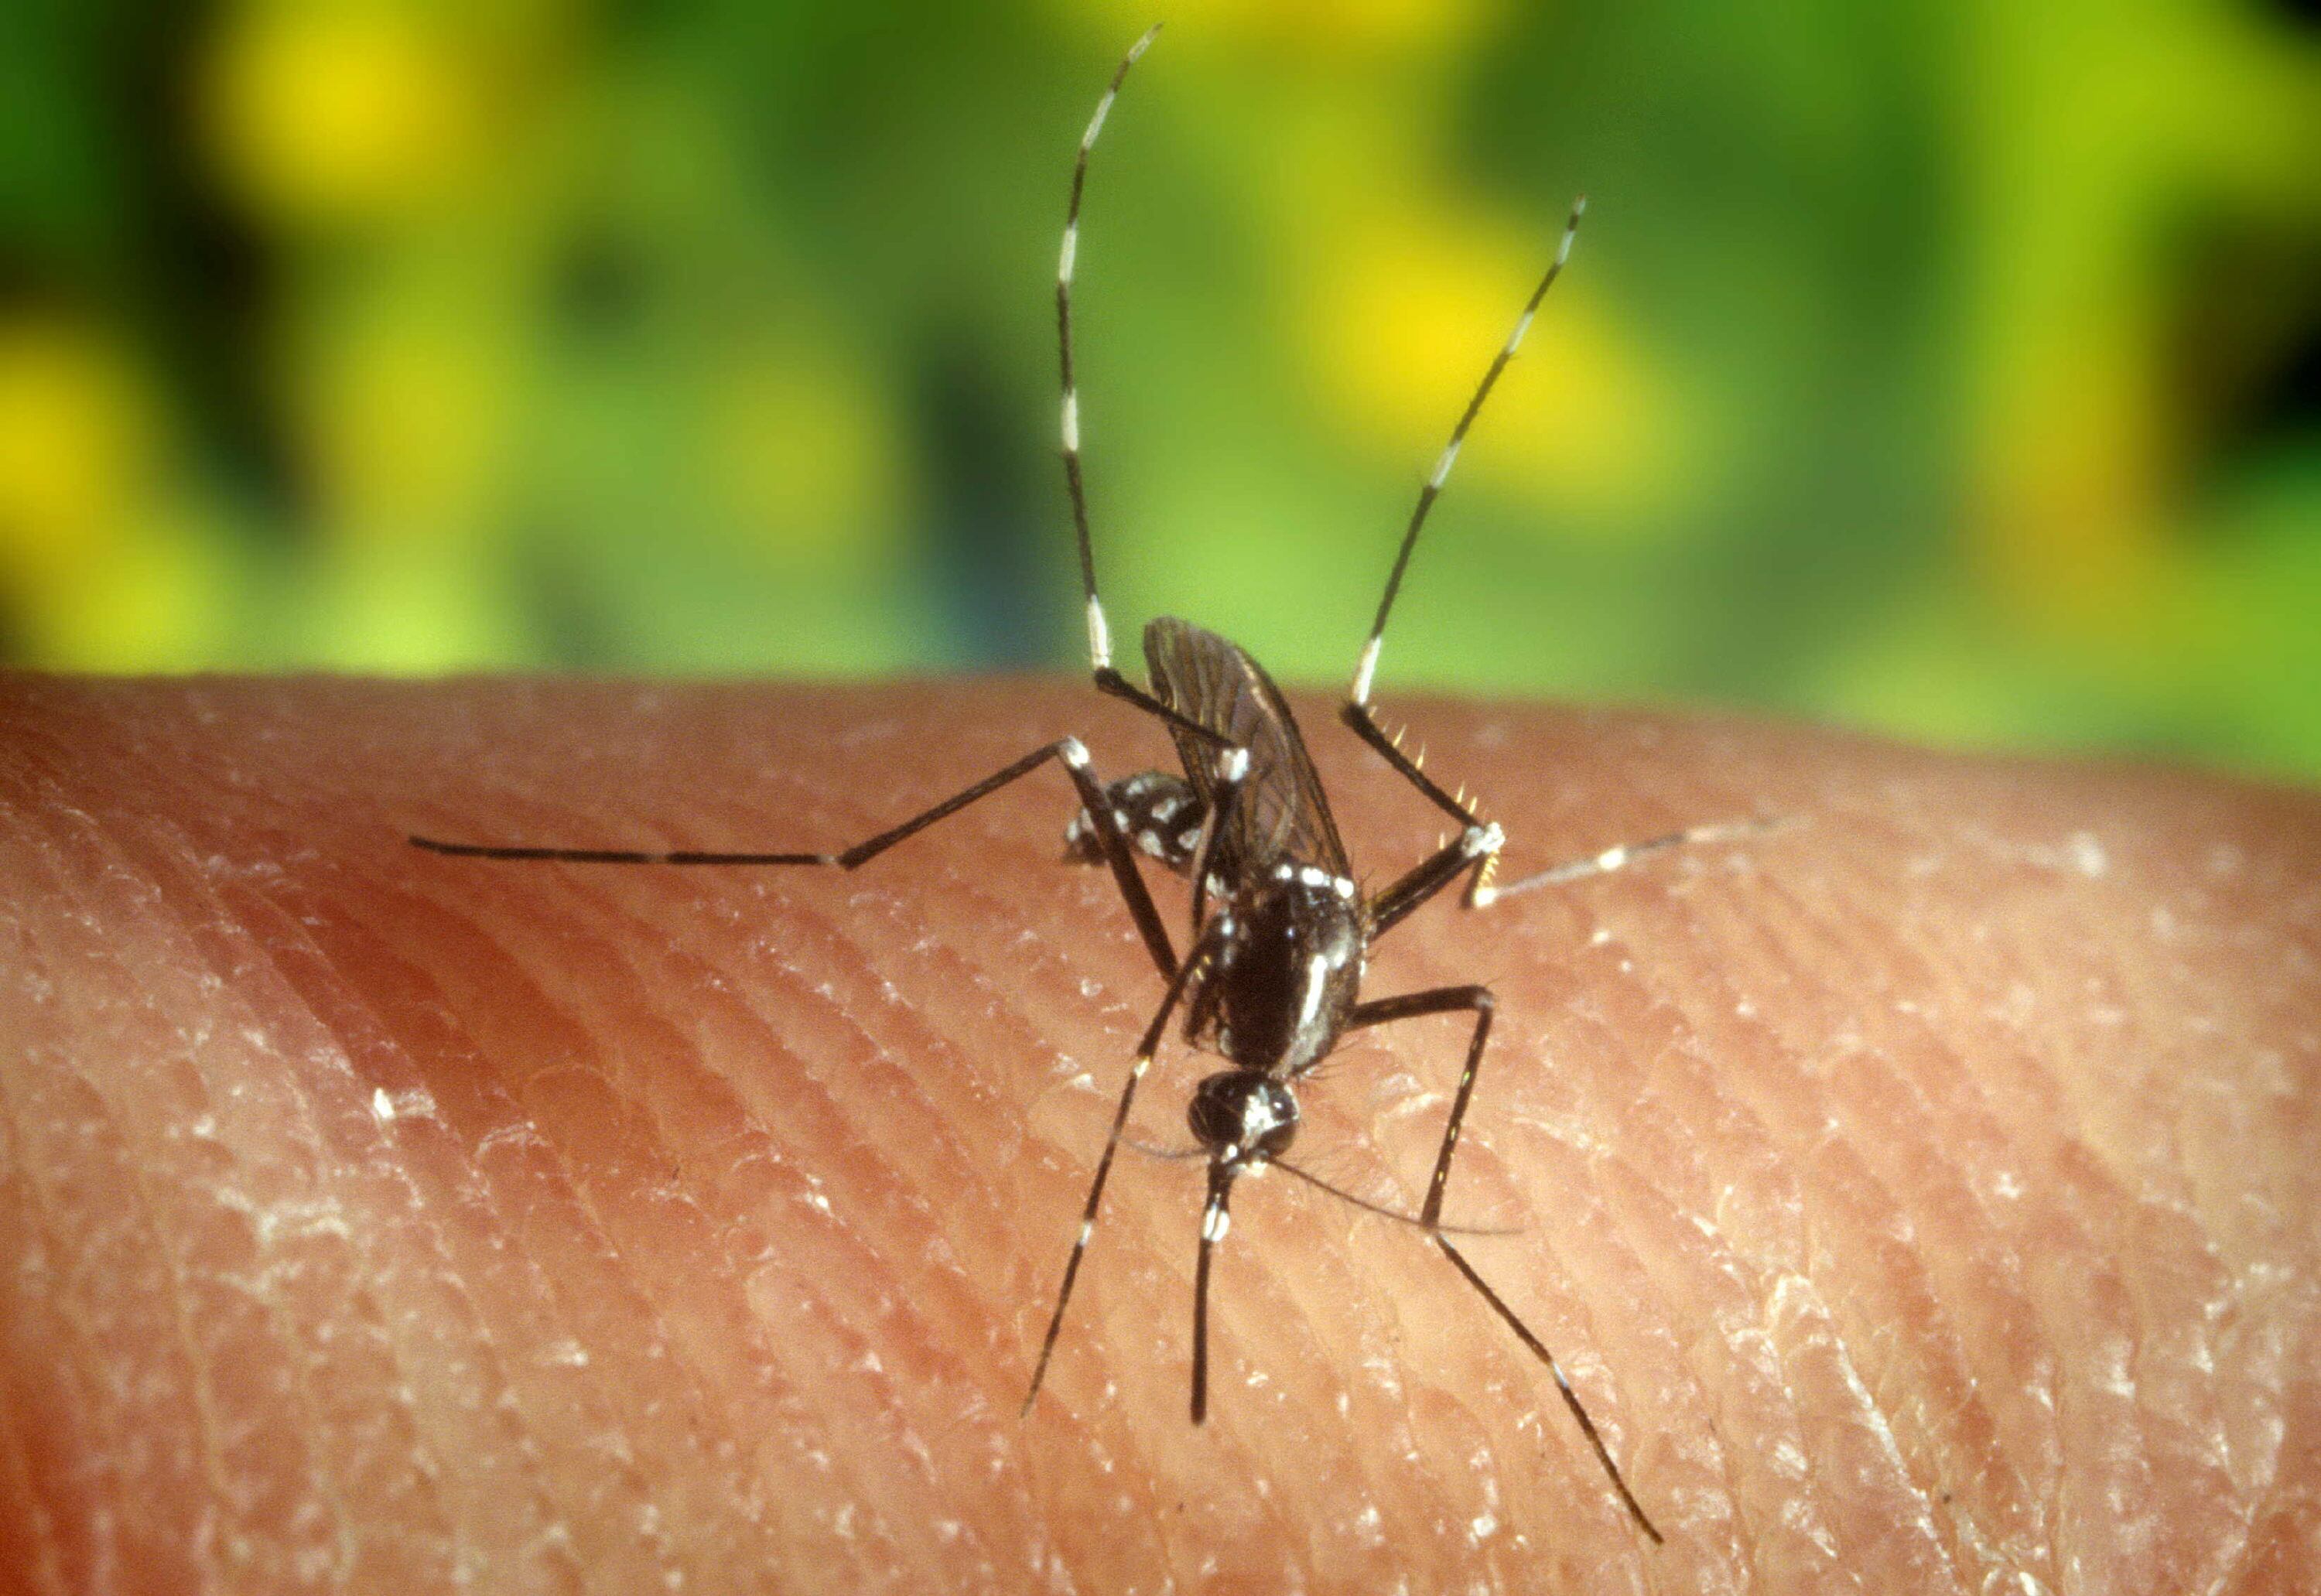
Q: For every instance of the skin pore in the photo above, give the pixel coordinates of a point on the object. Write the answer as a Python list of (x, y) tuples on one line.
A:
[(1921, 1196)]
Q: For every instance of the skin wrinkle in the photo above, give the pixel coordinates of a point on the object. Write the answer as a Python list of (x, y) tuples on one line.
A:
[(915, 1219), (847, 1215), (345, 1323), (2133, 1251), (568, 1094), (1719, 1002), (2192, 1226), (922, 1039), (1874, 1074), (68, 1387), (1928, 1183), (246, 954), (465, 1201), (1671, 1159), (1578, 1233), (2109, 1387), (1423, 1277), (550, 1429), (303, 969), (613, 1073), (245, 1494), (916, 1359), (1650, 1011)]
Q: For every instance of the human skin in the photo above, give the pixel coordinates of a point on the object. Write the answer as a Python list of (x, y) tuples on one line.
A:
[(1922, 1196)]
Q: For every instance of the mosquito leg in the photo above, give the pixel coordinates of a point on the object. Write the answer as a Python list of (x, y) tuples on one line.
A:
[(1145, 1049), (1364, 724), (1232, 771), (1476, 849), (1112, 684), (1619, 858), (1474, 999), (1066, 750), (1479, 1000)]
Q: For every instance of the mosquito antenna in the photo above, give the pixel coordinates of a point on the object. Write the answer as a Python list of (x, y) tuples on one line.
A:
[(1368, 666), (1098, 632), (1383, 1212)]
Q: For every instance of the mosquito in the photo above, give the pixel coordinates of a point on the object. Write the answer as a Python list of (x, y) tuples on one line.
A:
[(1281, 934)]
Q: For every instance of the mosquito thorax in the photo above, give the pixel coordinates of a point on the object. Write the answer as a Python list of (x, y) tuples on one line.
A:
[(1243, 1115), (1287, 975)]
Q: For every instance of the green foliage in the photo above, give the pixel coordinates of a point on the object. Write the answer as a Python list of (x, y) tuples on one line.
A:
[(1950, 371)]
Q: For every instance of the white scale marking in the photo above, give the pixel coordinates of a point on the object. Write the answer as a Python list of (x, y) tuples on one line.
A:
[(1071, 421), (1442, 467), (1366, 669), (1072, 249), (1095, 122), (1215, 1224), (1317, 976), (1099, 633)]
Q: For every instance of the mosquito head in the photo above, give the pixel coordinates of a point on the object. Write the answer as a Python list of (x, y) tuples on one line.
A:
[(1243, 1116)]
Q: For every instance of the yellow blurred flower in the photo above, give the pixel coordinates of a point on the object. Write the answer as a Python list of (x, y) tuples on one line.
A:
[(405, 405), (77, 447), (804, 460), (100, 569), (321, 112), (1308, 26), (1407, 307)]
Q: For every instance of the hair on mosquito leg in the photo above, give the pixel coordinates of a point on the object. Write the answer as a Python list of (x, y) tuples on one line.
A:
[(1279, 928)]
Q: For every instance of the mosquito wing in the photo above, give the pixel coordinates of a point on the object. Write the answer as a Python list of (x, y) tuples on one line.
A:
[(1281, 815)]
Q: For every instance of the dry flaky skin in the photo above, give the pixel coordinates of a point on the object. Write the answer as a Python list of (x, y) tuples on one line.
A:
[(1923, 1195)]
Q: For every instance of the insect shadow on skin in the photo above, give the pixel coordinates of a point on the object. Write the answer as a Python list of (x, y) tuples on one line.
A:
[(1279, 930)]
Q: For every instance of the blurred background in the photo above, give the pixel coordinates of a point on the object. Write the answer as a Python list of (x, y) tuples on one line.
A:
[(1950, 370)]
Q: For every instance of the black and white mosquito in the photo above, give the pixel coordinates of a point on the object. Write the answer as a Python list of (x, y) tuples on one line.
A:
[(1279, 932)]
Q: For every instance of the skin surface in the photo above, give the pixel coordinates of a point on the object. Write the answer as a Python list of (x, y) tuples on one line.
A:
[(1923, 1195)]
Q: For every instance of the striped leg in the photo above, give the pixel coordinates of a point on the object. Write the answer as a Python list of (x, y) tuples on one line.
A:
[(1619, 858), (1068, 751), (1478, 1000), (1185, 975)]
